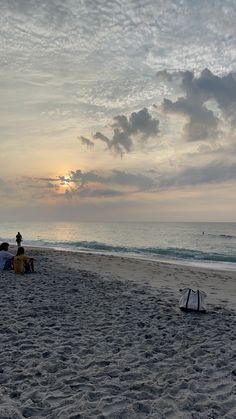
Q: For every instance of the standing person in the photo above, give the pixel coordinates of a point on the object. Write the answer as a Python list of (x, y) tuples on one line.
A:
[(23, 264), (19, 239), (6, 257)]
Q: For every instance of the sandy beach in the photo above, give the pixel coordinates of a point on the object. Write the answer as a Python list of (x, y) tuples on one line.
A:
[(93, 336)]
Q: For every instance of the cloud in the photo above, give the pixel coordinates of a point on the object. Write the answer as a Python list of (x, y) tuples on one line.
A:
[(164, 75), (140, 121), (203, 123), (209, 86), (27, 189), (102, 137), (78, 180), (209, 101), (91, 184), (79, 186), (121, 183), (48, 179), (86, 141), (97, 193), (140, 181), (117, 183), (5, 187), (129, 133), (214, 172)]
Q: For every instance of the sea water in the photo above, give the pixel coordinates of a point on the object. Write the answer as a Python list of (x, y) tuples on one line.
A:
[(206, 244)]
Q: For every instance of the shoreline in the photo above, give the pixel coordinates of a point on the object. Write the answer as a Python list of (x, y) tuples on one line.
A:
[(220, 285), (204, 264), (102, 337)]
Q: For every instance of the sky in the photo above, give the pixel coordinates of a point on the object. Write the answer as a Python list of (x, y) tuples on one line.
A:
[(116, 110)]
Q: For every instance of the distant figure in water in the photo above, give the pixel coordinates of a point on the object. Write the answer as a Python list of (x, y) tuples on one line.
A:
[(203, 232), (19, 239), (23, 264)]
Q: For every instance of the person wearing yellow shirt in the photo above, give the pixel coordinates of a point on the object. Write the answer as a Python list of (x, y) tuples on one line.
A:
[(22, 264)]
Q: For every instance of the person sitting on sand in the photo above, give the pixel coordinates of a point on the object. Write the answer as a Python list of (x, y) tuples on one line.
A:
[(23, 264), (6, 258), (19, 239)]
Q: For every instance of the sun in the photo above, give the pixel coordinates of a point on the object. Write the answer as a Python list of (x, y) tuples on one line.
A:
[(63, 186)]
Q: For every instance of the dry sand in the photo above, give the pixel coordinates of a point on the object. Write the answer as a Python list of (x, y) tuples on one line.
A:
[(91, 336)]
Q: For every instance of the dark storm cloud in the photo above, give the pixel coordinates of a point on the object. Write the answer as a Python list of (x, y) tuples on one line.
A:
[(203, 122), (129, 133)]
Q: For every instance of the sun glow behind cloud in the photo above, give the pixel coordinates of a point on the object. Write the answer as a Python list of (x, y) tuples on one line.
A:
[(120, 106)]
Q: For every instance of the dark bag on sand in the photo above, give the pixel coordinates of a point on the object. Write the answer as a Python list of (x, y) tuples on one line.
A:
[(192, 300)]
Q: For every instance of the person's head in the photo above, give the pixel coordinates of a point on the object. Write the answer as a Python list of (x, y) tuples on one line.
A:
[(4, 246), (20, 251)]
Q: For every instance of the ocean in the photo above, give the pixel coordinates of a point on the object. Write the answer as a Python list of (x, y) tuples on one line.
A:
[(202, 244)]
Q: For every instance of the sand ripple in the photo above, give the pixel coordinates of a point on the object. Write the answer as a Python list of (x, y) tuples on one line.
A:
[(76, 346)]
